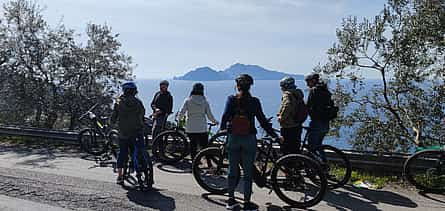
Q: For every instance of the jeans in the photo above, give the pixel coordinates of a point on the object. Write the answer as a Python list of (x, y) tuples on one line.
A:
[(196, 139), (292, 140), (158, 125), (317, 132), (241, 149), (135, 143)]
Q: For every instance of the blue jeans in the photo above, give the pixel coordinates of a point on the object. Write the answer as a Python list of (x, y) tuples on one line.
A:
[(241, 149), (137, 144), (317, 132)]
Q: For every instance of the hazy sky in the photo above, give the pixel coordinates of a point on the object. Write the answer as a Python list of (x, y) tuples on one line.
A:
[(170, 37)]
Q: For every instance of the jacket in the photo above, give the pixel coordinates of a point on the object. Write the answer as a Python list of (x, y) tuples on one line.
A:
[(253, 107), (162, 101), (288, 108), (196, 108), (319, 97), (129, 113)]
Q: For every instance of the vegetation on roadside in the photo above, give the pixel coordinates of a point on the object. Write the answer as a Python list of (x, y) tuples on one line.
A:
[(49, 77), (404, 48)]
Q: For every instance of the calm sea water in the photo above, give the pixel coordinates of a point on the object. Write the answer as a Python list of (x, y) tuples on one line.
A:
[(268, 91)]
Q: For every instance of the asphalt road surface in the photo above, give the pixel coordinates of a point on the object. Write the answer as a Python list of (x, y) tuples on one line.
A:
[(43, 177)]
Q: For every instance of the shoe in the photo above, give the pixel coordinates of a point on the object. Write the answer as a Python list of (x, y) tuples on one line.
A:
[(120, 180), (232, 203), (249, 206)]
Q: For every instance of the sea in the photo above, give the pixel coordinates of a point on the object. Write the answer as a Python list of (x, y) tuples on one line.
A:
[(216, 92)]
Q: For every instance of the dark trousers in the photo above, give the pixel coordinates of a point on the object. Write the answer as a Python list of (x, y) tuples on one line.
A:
[(196, 139), (317, 132), (292, 140), (158, 125)]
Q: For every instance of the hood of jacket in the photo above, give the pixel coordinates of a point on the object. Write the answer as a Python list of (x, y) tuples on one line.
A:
[(296, 92), (197, 99), (128, 104)]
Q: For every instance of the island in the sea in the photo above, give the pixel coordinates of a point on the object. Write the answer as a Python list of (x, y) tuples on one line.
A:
[(257, 72)]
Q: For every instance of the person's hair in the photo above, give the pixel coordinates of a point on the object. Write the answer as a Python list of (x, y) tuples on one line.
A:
[(194, 92)]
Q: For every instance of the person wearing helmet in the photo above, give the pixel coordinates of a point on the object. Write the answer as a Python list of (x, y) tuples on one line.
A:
[(239, 121), (128, 113), (318, 99), (195, 109), (162, 105), (290, 126)]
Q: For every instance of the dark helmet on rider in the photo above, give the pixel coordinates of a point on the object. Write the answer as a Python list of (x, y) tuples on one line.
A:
[(163, 82), (312, 76), (287, 83), (244, 80), (128, 86)]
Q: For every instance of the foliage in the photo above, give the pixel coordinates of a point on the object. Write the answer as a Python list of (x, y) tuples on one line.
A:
[(404, 46), (46, 75)]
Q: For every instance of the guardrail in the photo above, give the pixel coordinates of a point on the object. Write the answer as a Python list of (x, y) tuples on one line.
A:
[(70, 136), (381, 163)]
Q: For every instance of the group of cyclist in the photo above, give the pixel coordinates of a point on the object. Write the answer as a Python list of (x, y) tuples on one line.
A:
[(238, 120)]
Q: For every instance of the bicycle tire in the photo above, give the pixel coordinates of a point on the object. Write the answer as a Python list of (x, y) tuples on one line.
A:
[(221, 166), (172, 151), (89, 142), (331, 168), (416, 163), (305, 165)]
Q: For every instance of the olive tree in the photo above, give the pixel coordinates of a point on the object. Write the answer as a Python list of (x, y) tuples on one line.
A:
[(404, 47)]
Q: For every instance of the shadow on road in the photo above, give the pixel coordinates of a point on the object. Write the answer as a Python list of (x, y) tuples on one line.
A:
[(151, 199), (218, 199), (38, 153), (365, 199), (434, 196), (182, 167)]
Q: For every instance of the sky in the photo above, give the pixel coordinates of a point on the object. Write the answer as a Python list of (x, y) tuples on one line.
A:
[(167, 38)]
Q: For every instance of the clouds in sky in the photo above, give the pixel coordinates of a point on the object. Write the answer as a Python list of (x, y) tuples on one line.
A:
[(169, 37)]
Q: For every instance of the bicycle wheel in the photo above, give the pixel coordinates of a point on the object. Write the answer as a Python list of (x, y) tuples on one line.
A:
[(292, 180), (335, 164), (170, 147), (426, 170), (92, 142), (218, 139), (210, 170), (145, 170)]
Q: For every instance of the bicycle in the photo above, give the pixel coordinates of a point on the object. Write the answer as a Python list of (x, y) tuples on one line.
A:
[(99, 138), (139, 161), (172, 146), (337, 168), (291, 177), (336, 165), (426, 169)]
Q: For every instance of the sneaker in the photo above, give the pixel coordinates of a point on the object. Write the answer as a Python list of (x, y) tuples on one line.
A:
[(249, 206), (232, 203), (120, 180)]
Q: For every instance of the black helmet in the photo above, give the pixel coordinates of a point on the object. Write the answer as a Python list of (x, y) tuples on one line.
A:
[(244, 79), (311, 76), (163, 82), (287, 83), (198, 87)]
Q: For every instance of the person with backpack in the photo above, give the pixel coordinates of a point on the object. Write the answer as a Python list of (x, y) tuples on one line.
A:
[(162, 105), (321, 110), (196, 108), (239, 120), (128, 113), (291, 115)]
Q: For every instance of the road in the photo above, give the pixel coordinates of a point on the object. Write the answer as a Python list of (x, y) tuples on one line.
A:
[(60, 178)]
